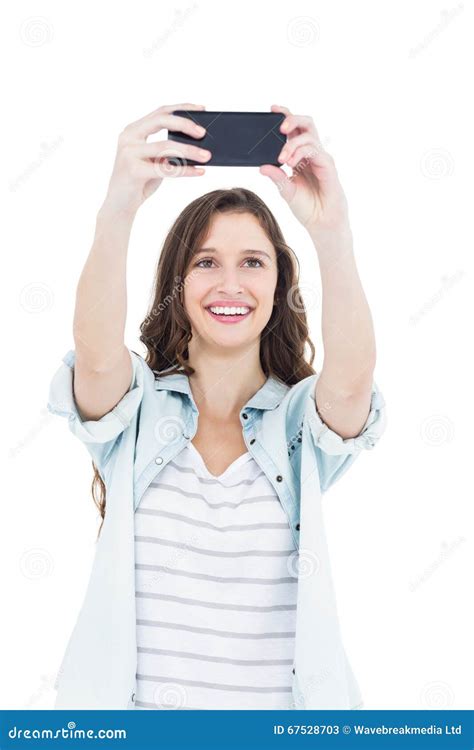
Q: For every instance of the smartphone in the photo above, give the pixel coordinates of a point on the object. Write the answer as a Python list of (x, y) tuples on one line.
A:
[(235, 139)]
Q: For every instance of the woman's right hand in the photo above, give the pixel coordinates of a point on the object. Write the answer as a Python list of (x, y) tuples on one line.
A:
[(140, 167)]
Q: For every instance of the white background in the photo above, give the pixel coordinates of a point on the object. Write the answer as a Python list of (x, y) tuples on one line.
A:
[(389, 88)]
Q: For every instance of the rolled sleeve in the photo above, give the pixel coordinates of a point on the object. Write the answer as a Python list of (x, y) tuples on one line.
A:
[(99, 436), (336, 454)]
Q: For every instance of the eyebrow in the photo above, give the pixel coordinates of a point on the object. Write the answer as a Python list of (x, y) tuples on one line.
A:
[(242, 252)]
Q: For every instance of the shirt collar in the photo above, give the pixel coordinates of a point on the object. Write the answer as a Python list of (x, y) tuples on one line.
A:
[(268, 396)]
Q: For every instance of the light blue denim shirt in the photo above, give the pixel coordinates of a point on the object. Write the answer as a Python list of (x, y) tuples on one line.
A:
[(131, 445)]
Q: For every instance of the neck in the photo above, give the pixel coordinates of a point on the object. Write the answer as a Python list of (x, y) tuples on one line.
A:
[(223, 383)]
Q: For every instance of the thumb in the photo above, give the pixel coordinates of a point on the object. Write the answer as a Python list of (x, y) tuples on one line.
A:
[(279, 178)]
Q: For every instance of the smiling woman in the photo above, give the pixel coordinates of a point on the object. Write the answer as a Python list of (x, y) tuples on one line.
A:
[(210, 458), (233, 278)]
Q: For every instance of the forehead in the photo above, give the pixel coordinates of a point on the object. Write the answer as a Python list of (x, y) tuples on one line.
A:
[(236, 230)]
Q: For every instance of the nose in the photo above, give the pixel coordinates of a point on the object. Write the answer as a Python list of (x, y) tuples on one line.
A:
[(229, 282)]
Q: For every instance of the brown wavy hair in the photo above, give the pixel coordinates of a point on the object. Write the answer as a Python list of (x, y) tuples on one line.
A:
[(166, 330)]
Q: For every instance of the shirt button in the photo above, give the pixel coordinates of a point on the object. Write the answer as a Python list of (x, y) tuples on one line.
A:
[(293, 670), (252, 441), (279, 478), (245, 415), (297, 527), (158, 460), (133, 696)]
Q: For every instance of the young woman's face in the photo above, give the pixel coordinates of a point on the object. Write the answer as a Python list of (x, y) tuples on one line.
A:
[(235, 266)]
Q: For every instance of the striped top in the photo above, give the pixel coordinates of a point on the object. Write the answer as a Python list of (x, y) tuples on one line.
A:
[(216, 587)]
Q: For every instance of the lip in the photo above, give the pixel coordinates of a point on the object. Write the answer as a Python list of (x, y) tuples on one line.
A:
[(229, 319), (228, 303)]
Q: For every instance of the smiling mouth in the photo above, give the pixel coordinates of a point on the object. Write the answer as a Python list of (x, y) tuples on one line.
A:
[(221, 318)]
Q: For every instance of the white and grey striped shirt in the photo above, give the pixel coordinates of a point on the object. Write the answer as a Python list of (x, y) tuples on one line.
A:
[(216, 589)]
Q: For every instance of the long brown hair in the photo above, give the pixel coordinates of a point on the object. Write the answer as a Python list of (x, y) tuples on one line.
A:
[(166, 330)]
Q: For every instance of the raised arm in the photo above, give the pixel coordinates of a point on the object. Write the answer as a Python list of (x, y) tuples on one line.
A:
[(103, 366), (316, 197)]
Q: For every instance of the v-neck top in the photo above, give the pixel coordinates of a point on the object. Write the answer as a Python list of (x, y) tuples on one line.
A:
[(239, 461), (216, 589)]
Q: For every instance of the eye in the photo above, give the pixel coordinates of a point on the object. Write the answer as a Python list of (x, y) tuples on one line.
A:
[(257, 260), (210, 260)]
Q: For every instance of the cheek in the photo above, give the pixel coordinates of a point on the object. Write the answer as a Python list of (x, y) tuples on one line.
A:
[(195, 290), (264, 292)]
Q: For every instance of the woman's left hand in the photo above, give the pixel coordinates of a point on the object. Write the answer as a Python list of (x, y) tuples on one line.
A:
[(313, 191)]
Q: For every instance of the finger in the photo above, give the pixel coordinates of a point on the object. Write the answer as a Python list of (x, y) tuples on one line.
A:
[(302, 122), (172, 148), (279, 178), (298, 140), (172, 107), (323, 164), (157, 121), (280, 108), (166, 109), (164, 168)]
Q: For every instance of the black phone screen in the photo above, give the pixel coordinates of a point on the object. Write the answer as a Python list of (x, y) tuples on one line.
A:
[(235, 139)]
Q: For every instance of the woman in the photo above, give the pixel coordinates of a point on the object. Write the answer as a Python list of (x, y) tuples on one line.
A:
[(211, 585)]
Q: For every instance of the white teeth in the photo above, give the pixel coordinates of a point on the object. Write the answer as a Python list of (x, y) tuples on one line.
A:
[(230, 310)]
